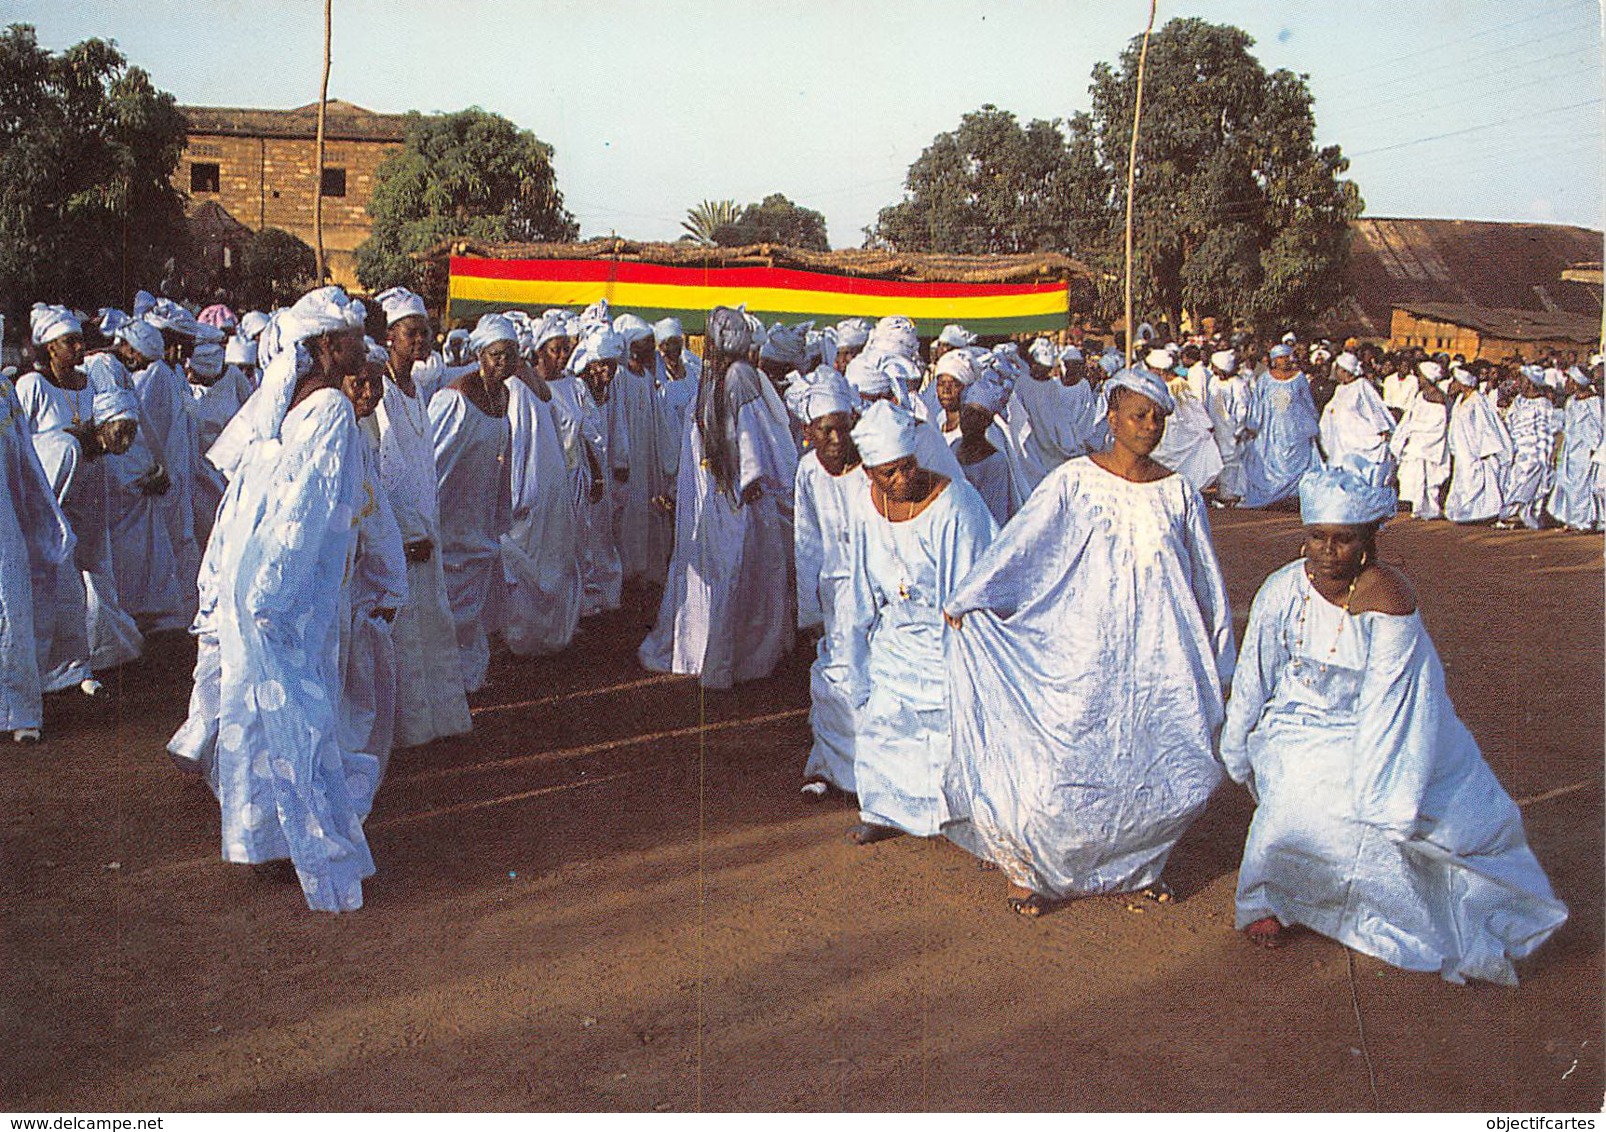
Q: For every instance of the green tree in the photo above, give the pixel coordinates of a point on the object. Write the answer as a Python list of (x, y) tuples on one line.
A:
[(1237, 211), (775, 220), (990, 186), (471, 174), (706, 218), (87, 149), (276, 268)]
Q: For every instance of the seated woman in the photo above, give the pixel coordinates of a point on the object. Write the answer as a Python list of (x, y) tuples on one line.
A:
[(1378, 822), (1092, 644), (920, 535)]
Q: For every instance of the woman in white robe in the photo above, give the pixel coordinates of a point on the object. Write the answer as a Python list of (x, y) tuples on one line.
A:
[(469, 431), (1093, 642), (918, 536), (264, 722), (1377, 821), (983, 452), (149, 586), (216, 392), (430, 699), (727, 611), (1189, 444), (1573, 501), (35, 541), (594, 363), (1283, 425), (1227, 398), (1480, 454), (163, 391), (830, 480), (1528, 481), (1421, 444), (68, 415), (1355, 425), (378, 589)]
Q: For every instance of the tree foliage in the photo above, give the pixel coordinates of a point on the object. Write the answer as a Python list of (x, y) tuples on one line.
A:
[(708, 217), (1237, 210), (1238, 213), (470, 174), (88, 145), (990, 186), (775, 220), (276, 268)]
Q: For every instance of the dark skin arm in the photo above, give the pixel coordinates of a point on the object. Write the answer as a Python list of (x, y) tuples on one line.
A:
[(1383, 589)]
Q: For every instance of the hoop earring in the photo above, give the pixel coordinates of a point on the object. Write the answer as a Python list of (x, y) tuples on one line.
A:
[(1366, 556)]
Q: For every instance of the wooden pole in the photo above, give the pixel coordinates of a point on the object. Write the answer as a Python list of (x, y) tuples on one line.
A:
[(323, 105), (1132, 172)]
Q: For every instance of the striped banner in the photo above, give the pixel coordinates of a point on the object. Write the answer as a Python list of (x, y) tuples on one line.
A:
[(773, 294)]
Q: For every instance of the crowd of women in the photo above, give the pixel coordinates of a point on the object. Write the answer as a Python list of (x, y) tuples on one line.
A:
[(1003, 558)]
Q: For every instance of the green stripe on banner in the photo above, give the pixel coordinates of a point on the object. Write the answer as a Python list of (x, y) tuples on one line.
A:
[(468, 310)]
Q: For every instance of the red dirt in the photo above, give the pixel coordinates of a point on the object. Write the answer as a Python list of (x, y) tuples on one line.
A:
[(591, 904)]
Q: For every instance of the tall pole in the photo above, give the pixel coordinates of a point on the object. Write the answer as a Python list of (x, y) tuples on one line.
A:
[(323, 105), (1132, 172)]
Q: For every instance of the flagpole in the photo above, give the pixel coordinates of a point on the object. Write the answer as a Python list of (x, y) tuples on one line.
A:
[(1132, 170)]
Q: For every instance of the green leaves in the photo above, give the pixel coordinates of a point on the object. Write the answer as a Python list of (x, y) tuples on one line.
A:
[(87, 147), (471, 174)]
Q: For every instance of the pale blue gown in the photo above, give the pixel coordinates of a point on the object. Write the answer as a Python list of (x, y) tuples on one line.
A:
[(1572, 499), (540, 559), (1087, 683), (35, 541), (1378, 822), (904, 573), (1283, 415), (825, 527), (471, 474), (264, 719)]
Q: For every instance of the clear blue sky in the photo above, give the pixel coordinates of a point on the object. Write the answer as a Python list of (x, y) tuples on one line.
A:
[(1478, 109)]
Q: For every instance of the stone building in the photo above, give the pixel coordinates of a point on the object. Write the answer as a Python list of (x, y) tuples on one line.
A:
[(260, 167)]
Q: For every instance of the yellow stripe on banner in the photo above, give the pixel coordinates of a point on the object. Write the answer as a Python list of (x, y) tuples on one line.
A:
[(655, 296)]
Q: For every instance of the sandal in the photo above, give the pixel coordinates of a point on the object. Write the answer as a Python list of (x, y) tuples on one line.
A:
[(815, 790), (1266, 932), (1031, 906)]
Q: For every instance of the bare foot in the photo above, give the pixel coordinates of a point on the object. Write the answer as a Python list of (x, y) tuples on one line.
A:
[(868, 833), (1266, 932)]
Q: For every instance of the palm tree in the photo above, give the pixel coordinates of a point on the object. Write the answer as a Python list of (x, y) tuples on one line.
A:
[(707, 218)]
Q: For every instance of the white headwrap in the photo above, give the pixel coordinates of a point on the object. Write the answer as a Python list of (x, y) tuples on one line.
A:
[(1349, 363), (144, 338), (252, 324), (895, 334), (959, 365), (167, 315), (207, 359), (400, 303), (866, 374), (665, 329), (492, 328), (729, 332), (326, 310), (1225, 361), (1276, 352), (989, 393), (1290, 338), (1160, 361), (144, 303), (206, 332), (1433, 371), (376, 353), (114, 403), (553, 324), (1042, 352), (1144, 381), (886, 432), (632, 328), (597, 314), (955, 335), (821, 393), (852, 333), (602, 344), (1338, 496), (1070, 354), (240, 352), (455, 350), (1464, 377), (111, 321), (51, 322), (1014, 366), (785, 343), (1584, 378)]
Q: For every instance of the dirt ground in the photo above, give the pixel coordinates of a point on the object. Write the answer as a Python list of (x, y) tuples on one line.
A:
[(609, 897)]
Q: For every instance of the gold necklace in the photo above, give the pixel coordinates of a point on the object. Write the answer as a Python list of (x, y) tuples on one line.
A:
[(1304, 606)]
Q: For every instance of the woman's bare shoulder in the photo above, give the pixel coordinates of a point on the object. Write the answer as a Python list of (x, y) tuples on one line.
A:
[(1383, 589)]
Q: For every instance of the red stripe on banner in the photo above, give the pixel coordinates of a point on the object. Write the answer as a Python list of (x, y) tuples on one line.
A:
[(612, 271)]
